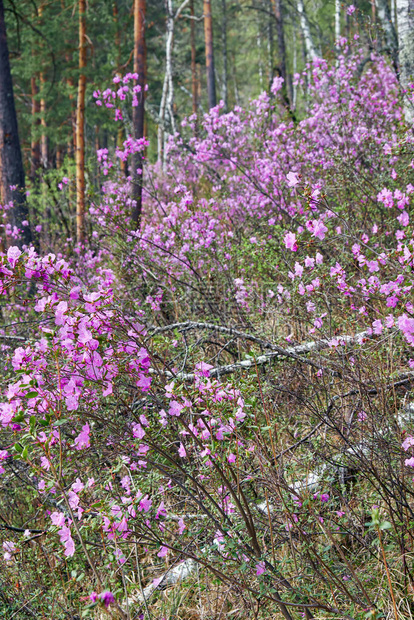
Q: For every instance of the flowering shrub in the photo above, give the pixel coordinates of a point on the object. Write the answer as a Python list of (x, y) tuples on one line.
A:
[(224, 393)]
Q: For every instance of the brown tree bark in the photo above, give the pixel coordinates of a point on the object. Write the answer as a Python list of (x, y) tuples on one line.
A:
[(138, 112), (115, 14), (44, 154), (208, 38), (59, 156), (34, 144), (12, 182), (280, 30), (80, 128), (71, 143)]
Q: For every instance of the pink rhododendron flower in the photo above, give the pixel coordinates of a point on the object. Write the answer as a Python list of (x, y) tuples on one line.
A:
[(82, 441), (277, 85), (260, 568), (203, 369), (319, 229), (66, 539), (408, 442), (13, 254), (175, 408), (290, 241), (181, 526), (162, 552), (292, 179)]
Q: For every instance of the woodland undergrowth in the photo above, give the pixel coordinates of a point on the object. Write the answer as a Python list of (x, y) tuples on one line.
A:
[(227, 388)]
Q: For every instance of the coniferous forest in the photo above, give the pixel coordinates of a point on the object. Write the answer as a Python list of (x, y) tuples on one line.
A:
[(207, 309)]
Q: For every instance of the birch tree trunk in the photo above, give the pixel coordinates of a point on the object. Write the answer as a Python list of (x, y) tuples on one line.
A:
[(295, 68), (225, 77), (166, 97), (310, 47), (137, 173), (12, 182), (391, 40), (259, 47), (270, 48), (208, 37), (337, 22), (169, 67), (405, 17), (80, 128), (193, 59)]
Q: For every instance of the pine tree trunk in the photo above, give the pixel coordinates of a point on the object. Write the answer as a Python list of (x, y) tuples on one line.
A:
[(59, 156), (208, 37), (137, 172), (280, 29), (405, 16), (12, 182), (80, 128), (44, 155), (115, 14)]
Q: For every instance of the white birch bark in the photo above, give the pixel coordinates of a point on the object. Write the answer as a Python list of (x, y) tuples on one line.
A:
[(295, 68), (259, 53), (311, 51), (169, 66), (167, 81), (167, 98), (384, 14), (337, 22), (225, 77), (405, 18)]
